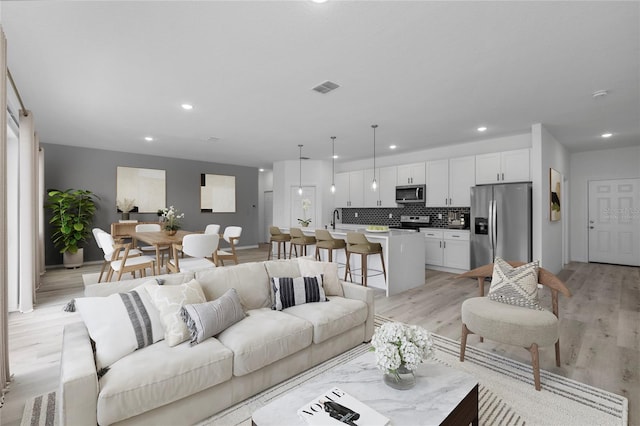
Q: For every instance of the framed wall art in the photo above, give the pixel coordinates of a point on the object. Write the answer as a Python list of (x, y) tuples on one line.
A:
[(217, 193), (555, 188), (146, 188)]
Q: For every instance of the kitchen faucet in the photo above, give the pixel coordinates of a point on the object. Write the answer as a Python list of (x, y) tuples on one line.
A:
[(334, 215)]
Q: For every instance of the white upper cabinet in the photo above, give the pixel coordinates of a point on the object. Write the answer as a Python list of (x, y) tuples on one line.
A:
[(349, 189), (385, 195), (501, 167), (449, 182), (411, 174)]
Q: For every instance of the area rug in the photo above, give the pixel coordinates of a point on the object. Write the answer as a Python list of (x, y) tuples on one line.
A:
[(506, 392)]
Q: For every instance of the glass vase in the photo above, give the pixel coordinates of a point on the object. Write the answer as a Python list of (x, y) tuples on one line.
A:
[(401, 379)]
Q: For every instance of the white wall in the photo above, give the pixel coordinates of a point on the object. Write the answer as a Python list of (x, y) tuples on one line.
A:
[(594, 165), (484, 146), (314, 173), (546, 153), (265, 183)]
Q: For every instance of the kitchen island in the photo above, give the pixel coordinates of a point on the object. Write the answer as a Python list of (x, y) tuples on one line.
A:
[(403, 250)]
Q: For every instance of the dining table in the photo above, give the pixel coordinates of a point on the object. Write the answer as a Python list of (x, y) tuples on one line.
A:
[(160, 239)]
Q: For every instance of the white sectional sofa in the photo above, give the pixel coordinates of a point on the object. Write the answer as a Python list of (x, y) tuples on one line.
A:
[(184, 384)]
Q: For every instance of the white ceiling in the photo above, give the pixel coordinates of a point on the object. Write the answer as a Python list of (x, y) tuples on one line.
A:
[(106, 74)]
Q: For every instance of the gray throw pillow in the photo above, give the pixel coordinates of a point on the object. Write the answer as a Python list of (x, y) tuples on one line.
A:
[(515, 286), (205, 320)]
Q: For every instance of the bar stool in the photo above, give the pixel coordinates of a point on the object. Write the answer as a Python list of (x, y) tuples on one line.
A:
[(279, 237), (299, 239), (357, 243), (326, 241)]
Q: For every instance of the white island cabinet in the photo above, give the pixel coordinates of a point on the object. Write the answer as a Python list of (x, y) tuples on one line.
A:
[(403, 252)]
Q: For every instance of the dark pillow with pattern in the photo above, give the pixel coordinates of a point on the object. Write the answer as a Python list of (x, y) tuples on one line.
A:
[(289, 291)]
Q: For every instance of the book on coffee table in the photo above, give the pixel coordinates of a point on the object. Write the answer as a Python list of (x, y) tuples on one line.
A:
[(343, 409)]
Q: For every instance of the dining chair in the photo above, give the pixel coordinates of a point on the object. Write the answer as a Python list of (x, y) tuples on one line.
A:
[(212, 228), (232, 236), (153, 227), (200, 247), (121, 261), (108, 251)]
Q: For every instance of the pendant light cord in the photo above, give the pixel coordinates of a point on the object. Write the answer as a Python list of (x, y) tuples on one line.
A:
[(333, 160)]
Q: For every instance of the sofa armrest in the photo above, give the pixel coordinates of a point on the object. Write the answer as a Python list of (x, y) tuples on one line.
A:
[(78, 392), (358, 292)]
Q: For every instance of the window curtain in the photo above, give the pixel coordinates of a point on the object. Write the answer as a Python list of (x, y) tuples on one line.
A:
[(28, 229), (4, 317)]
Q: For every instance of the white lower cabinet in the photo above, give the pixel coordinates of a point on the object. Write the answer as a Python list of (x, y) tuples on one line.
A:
[(447, 248)]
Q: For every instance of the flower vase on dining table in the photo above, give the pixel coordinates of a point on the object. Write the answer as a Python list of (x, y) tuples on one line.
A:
[(171, 232)]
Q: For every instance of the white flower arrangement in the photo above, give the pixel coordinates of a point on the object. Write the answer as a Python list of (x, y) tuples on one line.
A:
[(171, 218), (397, 344), (306, 203)]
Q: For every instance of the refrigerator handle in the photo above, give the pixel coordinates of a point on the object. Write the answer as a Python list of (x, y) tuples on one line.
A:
[(494, 226), (490, 226)]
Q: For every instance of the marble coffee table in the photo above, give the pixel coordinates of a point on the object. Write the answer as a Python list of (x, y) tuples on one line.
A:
[(442, 395)]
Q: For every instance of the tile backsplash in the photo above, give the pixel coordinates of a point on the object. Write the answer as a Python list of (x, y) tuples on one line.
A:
[(380, 216)]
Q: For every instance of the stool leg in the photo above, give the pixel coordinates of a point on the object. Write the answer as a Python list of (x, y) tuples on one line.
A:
[(317, 253), (271, 249), (348, 268), (384, 270), (364, 270), (330, 255)]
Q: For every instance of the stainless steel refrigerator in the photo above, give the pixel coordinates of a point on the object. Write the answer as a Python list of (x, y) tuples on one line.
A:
[(500, 223)]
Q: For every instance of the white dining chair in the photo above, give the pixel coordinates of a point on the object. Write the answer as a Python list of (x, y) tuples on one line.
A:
[(232, 236), (199, 248), (108, 251), (212, 228), (121, 261)]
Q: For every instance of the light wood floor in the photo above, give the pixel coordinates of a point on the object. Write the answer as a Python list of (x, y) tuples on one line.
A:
[(600, 328)]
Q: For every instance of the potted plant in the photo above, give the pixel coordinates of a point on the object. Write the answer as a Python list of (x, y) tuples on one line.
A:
[(73, 212)]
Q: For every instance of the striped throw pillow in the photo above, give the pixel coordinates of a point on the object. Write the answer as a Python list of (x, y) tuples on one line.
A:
[(515, 286), (207, 319), (289, 291), (120, 323)]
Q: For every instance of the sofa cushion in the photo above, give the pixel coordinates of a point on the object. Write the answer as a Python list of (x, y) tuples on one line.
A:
[(289, 291), (159, 374), (249, 279), (120, 324), (105, 289), (329, 271), (282, 268), (332, 318), (169, 300), (207, 319), (263, 337)]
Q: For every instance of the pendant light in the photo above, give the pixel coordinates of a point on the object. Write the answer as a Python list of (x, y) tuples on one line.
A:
[(300, 160), (374, 184), (333, 164)]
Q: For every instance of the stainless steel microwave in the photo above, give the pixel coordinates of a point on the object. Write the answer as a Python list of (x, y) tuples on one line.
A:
[(411, 194)]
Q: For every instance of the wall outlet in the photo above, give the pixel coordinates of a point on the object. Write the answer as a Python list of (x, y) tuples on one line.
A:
[(439, 215), (356, 214), (390, 215)]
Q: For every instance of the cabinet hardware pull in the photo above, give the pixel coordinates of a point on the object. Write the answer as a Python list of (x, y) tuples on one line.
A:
[(503, 176), (444, 244), (440, 244), (497, 176)]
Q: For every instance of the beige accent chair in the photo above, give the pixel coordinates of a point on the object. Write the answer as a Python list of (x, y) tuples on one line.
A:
[(231, 235), (357, 243), (279, 237), (299, 239), (199, 247), (510, 324), (325, 241)]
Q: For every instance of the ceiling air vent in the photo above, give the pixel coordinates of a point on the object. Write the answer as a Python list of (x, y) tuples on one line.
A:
[(326, 87)]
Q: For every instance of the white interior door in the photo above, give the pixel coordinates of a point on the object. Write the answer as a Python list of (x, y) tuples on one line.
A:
[(614, 221)]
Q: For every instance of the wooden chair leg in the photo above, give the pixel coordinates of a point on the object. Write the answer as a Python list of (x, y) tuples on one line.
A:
[(110, 273), (535, 363), (104, 264), (558, 352), (364, 269), (463, 341), (384, 270)]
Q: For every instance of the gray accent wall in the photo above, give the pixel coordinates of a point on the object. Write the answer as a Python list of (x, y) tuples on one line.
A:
[(95, 170)]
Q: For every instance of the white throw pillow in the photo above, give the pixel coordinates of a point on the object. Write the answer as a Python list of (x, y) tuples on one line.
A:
[(515, 286), (329, 270), (120, 323), (169, 299)]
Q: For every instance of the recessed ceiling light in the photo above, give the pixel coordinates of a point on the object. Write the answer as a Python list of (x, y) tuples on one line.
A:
[(392, 146), (187, 107), (261, 170), (319, 1), (148, 138), (482, 129), (335, 156), (606, 135)]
